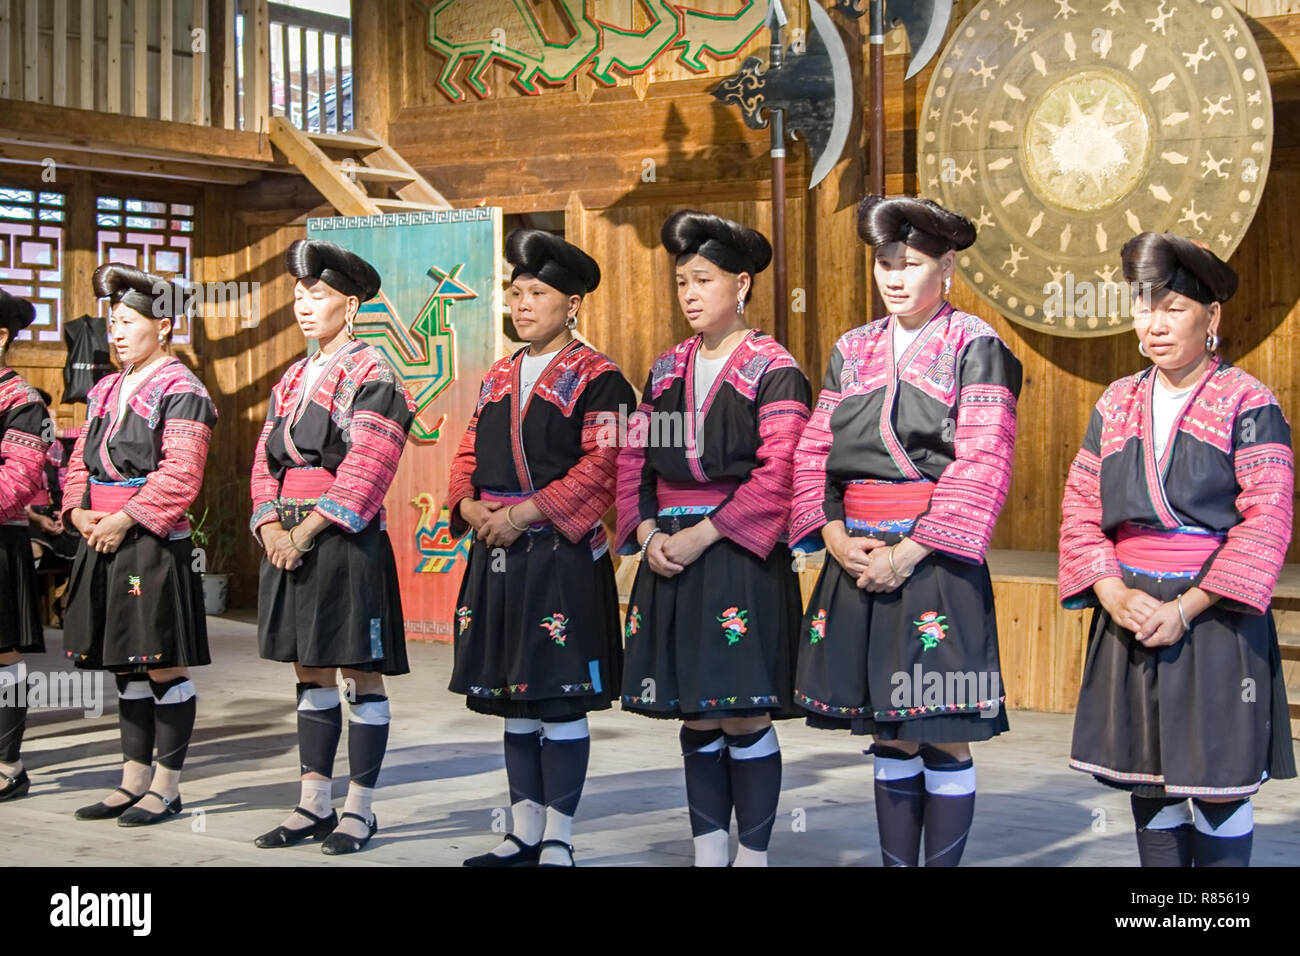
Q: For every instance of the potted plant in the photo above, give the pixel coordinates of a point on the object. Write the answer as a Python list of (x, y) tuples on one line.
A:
[(214, 546)]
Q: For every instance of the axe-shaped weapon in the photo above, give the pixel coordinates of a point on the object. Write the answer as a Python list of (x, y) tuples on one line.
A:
[(926, 21), (810, 93)]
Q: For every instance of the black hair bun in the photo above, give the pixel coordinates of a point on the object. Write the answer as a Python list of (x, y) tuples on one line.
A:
[(1165, 261), (15, 313), (920, 223), (546, 256), (341, 270), (151, 295), (727, 244)]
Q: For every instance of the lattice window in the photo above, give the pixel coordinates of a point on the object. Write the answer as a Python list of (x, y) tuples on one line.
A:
[(31, 256), (155, 236)]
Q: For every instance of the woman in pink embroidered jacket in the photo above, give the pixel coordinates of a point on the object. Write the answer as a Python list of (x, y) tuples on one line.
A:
[(25, 433), (901, 473), (135, 602), (1176, 521), (704, 492), (537, 630), (328, 597)]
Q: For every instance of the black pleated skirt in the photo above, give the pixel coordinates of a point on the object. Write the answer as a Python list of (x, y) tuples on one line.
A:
[(340, 608), (140, 607), (919, 663), (537, 629), (1205, 716), (715, 641), (20, 619)]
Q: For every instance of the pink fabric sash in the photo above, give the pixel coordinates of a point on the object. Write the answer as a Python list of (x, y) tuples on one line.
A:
[(687, 494), (875, 502), (112, 498), (1164, 552), (306, 484)]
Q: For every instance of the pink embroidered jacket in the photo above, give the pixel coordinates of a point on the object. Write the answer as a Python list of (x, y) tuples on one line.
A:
[(749, 424), (353, 425), (559, 447), (159, 444), (1228, 469), (944, 411), (23, 445)]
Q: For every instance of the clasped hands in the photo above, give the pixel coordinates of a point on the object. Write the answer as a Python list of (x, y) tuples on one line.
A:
[(868, 559), (1154, 623), (669, 554), (104, 531)]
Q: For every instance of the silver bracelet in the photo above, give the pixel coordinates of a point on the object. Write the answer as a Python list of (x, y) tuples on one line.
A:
[(890, 555), (1182, 617), (646, 543)]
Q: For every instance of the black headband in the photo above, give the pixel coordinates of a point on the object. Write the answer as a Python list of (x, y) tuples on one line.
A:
[(554, 275), (725, 257), (1186, 283)]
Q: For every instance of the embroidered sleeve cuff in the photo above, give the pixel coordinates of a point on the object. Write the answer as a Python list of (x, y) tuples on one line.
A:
[(346, 519), (153, 523), (1235, 594), (930, 532), (571, 526), (264, 513), (751, 539)]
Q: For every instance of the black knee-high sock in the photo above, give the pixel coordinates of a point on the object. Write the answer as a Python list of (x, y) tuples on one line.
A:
[(135, 717), (755, 767), (367, 738), (320, 724), (524, 765), (564, 766), (900, 804), (1164, 830), (1223, 833), (13, 711), (708, 780), (949, 806), (175, 704)]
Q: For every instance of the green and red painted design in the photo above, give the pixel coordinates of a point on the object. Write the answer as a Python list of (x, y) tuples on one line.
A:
[(817, 628), (555, 625), (932, 628), (735, 623), (633, 623), (464, 615)]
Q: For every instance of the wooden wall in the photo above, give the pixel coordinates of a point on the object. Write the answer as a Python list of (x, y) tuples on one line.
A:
[(583, 148)]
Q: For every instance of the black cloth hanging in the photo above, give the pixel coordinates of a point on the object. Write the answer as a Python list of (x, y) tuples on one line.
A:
[(88, 361)]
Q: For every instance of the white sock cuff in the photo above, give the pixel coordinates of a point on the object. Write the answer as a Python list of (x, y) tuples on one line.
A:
[(898, 768), (136, 690), (765, 746), (14, 673), (950, 783), (318, 786), (569, 730), (373, 712), (1174, 815), (1240, 823), (358, 799), (319, 698), (178, 693), (523, 725)]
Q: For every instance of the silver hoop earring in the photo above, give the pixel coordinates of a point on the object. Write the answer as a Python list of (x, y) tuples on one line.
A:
[(1142, 349), (947, 284), (571, 322), (1212, 342)]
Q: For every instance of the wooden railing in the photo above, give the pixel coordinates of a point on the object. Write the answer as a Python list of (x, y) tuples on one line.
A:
[(225, 63)]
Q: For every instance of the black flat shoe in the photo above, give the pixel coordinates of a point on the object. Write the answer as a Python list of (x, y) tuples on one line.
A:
[(105, 811), (560, 843), (135, 817), (337, 843), (527, 855), (320, 828), (15, 786)]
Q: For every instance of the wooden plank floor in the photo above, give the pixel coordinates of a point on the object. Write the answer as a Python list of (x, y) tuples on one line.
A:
[(443, 778)]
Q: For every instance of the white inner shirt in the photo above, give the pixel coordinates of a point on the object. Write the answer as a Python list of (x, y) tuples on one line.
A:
[(530, 370), (707, 371), (903, 338), (315, 369), (1164, 411)]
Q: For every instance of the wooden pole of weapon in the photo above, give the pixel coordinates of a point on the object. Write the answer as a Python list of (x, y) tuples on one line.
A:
[(876, 39), (780, 295)]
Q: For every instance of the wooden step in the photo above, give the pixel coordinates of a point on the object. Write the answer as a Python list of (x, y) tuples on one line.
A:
[(373, 173), (344, 141)]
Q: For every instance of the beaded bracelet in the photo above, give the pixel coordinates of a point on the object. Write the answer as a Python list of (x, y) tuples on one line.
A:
[(646, 543)]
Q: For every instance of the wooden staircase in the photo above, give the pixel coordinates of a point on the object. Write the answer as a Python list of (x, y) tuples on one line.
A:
[(358, 173)]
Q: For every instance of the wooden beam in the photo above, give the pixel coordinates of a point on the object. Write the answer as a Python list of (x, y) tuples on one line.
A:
[(165, 14), (34, 123), (224, 95), (59, 59), (86, 33), (419, 190), (261, 27), (341, 192), (322, 126), (31, 52), (113, 84), (140, 57), (126, 165), (370, 53), (338, 83), (199, 72)]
